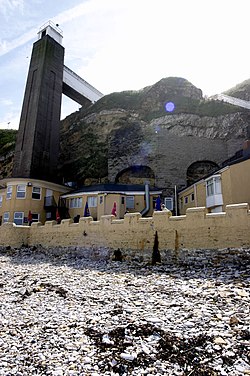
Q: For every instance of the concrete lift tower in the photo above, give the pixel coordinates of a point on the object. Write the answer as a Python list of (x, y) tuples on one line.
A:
[(37, 145)]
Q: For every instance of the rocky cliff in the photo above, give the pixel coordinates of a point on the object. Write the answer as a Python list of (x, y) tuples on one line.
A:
[(129, 136), (132, 136), (7, 145)]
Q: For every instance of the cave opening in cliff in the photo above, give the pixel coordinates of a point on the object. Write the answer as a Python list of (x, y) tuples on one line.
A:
[(136, 175), (199, 170)]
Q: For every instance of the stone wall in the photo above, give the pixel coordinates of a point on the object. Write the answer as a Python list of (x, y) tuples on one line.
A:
[(134, 235), (170, 144)]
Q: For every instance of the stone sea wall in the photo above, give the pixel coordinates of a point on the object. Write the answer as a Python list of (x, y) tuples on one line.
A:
[(134, 235)]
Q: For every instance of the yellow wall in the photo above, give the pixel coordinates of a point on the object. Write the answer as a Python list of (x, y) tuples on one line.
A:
[(240, 182), (226, 188), (28, 204), (188, 195), (235, 186), (195, 230), (105, 207)]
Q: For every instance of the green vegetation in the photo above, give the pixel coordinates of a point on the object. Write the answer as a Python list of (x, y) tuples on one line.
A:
[(151, 105), (128, 100), (7, 140), (86, 157)]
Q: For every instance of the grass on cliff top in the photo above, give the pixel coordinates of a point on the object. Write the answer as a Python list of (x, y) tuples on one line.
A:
[(7, 140), (135, 101)]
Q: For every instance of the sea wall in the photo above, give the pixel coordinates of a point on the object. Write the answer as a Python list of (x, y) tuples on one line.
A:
[(195, 230)]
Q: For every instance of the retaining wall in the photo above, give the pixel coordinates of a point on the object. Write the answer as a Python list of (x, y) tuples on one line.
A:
[(195, 230)]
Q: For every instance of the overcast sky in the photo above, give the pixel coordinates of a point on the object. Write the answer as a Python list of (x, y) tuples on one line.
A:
[(119, 45)]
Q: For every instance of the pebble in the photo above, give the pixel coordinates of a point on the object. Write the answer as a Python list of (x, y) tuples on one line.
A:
[(66, 315)]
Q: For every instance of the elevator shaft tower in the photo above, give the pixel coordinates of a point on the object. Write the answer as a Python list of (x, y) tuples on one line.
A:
[(37, 145)]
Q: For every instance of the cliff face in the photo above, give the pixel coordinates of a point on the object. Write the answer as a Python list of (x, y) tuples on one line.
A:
[(129, 136), (241, 91), (133, 136), (7, 146)]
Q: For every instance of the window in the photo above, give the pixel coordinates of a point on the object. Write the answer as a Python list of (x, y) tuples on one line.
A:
[(20, 191), (130, 202), (192, 196), (101, 199), (35, 217), (169, 203), (18, 218), (210, 187), (123, 200), (213, 186), (186, 199), (6, 217), (75, 202), (92, 202), (9, 192), (1, 201), (36, 193)]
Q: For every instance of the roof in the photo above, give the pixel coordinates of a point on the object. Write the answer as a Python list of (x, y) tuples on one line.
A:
[(114, 188)]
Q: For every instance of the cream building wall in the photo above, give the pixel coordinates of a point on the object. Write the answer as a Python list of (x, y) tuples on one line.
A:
[(195, 230), (195, 195), (27, 203), (240, 182), (235, 187), (105, 203)]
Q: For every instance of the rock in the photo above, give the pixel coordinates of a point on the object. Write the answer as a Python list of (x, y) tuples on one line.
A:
[(128, 357), (95, 318), (219, 341)]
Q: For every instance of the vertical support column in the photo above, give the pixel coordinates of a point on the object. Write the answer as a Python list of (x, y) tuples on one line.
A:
[(37, 145)]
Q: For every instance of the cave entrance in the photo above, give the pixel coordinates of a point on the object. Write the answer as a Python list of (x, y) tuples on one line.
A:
[(199, 170), (136, 175)]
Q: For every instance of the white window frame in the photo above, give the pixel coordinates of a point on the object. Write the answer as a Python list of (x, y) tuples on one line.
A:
[(92, 201), (214, 195), (9, 192), (169, 200), (6, 217), (130, 202), (75, 202), (213, 186), (18, 218), (210, 187), (21, 191), (36, 193)]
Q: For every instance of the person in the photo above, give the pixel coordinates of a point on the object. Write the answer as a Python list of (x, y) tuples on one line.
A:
[(58, 218), (158, 204), (113, 212)]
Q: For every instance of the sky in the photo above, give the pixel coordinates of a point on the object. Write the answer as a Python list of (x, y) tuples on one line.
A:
[(118, 45)]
